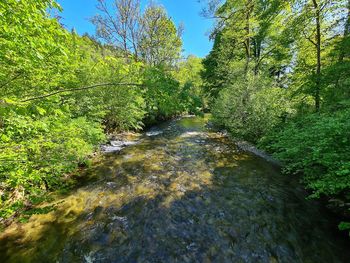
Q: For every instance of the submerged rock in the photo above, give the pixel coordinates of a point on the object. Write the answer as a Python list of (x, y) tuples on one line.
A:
[(117, 146), (153, 133), (110, 149)]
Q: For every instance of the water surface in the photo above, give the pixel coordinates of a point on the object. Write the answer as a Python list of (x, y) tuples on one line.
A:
[(183, 193)]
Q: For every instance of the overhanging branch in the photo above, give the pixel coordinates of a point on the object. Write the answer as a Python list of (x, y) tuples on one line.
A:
[(79, 89)]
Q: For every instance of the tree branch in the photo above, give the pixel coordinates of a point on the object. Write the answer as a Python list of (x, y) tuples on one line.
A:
[(2, 85), (79, 89), (309, 38)]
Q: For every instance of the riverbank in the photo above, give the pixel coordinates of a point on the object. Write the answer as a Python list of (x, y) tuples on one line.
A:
[(62, 167)]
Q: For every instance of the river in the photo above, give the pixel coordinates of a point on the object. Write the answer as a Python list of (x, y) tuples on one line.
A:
[(182, 193)]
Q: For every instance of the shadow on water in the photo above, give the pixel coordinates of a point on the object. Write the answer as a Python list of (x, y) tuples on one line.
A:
[(187, 195)]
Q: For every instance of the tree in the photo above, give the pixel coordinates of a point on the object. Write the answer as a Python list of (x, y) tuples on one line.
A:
[(160, 41), (24, 54), (188, 74), (316, 25), (119, 24), (151, 36), (317, 11), (250, 39), (335, 77)]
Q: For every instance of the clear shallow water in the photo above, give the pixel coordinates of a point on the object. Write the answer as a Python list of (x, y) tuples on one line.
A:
[(185, 194)]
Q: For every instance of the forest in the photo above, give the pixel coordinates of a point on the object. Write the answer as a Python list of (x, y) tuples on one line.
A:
[(277, 77)]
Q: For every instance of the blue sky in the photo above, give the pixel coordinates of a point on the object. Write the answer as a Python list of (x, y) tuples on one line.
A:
[(76, 13)]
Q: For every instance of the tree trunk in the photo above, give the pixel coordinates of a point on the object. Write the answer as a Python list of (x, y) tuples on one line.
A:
[(346, 33), (257, 55), (342, 47), (247, 40), (318, 54), (247, 44)]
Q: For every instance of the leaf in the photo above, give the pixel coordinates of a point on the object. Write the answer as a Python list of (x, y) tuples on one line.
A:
[(40, 110), (344, 226)]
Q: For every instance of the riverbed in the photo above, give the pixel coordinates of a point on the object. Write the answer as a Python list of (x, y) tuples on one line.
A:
[(180, 193)]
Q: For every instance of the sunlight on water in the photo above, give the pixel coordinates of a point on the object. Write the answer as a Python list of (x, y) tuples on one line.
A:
[(182, 194)]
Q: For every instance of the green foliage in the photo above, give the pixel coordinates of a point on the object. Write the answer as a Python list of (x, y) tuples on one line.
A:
[(160, 42), (189, 77), (344, 226), (251, 110), (317, 146), (162, 94), (148, 35), (37, 149), (171, 93)]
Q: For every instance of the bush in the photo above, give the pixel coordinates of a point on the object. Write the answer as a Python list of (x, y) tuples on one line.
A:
[(318, 147), (250, 110), (38, 151)]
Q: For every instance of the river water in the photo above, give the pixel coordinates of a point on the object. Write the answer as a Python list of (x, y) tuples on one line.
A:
[(183, 193)]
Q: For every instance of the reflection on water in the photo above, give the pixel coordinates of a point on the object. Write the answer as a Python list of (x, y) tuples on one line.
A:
[(185, 194)]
